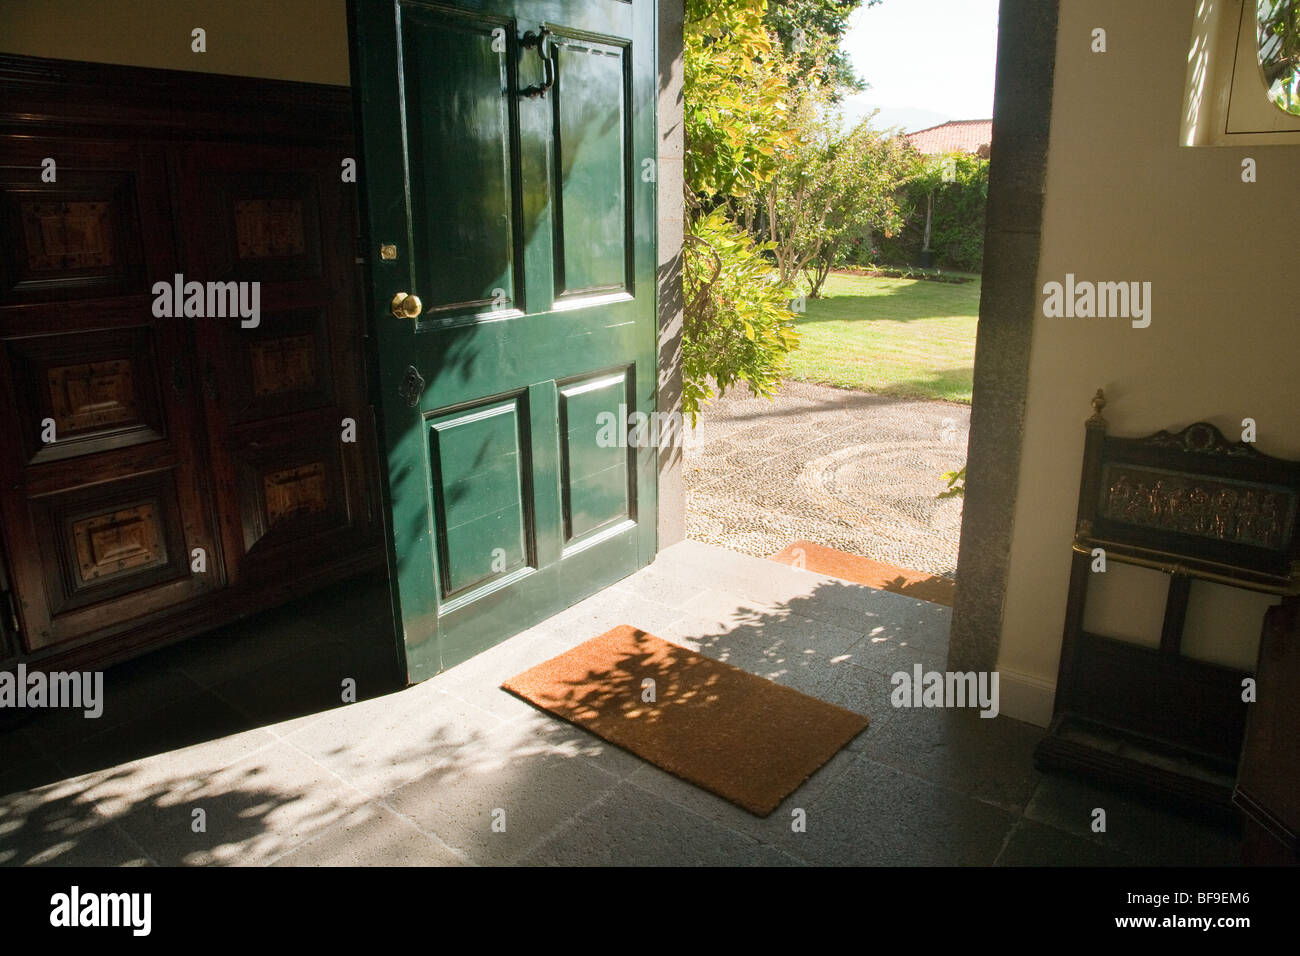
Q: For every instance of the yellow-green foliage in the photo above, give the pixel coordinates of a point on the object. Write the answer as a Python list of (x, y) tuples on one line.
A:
[(739, 326), (735, 91), (737, 84)]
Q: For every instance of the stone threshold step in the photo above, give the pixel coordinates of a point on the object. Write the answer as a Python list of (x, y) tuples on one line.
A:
[(856, 569)]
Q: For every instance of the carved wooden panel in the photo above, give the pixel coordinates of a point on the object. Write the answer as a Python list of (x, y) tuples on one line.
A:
[(173, 436), (269, 228), (1196, 498), (279, 368), (92, 395), (111, 539), (265, 226), (100, 389), (59, 236), (291, 492), (119, 541), (285, 363), (74, 238)]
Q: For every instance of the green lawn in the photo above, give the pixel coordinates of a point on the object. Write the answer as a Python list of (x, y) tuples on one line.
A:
[(904, 337)]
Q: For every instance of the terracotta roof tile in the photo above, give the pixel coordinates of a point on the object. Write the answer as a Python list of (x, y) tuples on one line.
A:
[(965, 136)]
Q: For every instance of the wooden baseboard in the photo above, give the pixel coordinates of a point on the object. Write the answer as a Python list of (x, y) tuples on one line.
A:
[(206, 614)]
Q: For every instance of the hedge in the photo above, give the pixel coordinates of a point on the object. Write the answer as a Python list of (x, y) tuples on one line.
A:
[(956, 225)]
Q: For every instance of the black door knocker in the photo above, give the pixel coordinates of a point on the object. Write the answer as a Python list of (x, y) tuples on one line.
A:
[(530, 40)]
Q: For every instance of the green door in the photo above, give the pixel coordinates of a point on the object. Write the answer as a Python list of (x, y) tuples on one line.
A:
[(507, 160)]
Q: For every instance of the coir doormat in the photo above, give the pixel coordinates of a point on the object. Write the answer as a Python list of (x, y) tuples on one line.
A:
[(742, 737)]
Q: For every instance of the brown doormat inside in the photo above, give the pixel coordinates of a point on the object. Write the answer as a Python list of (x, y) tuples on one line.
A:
[(851, 567), (740, 736)]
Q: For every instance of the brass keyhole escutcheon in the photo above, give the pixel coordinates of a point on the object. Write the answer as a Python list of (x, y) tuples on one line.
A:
[(407, 306)]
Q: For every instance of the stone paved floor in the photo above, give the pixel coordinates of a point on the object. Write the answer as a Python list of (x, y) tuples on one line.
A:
[(849, 470), (246, 725)]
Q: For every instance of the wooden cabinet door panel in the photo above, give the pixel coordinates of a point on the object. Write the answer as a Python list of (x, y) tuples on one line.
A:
[(78, 235), (284, 396), (106, 512)]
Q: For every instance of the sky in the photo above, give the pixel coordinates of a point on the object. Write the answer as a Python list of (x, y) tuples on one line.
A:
[(928, 61)]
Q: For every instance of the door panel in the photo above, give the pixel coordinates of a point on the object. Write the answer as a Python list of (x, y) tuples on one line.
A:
[(462, 137), (597, 474), (592, 166), (480, 481), (502, 189)]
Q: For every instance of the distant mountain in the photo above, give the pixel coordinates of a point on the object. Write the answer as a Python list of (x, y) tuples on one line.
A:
[(910, 119)]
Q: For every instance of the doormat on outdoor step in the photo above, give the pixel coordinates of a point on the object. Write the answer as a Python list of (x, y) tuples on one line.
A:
[(740, 736), (851, 567)]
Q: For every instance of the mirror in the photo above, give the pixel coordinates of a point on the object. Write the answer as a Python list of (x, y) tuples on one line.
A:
[(1279, 52)]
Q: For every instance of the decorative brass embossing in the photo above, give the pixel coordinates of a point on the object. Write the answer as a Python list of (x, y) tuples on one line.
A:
[(125, 540), (67, 235), (1235, 512), (285, 364), (92, 395), (269, 228), (296, 491)]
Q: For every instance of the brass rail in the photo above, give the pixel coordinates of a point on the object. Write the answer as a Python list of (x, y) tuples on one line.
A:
[(1172, 563)]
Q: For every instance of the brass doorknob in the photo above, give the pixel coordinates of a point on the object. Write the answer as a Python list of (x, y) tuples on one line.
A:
[(406, 306)]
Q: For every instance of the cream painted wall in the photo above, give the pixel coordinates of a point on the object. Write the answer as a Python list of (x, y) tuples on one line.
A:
[(1124, 201), (305, 40)]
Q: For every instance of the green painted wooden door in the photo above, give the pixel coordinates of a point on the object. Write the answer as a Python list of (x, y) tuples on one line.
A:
[(508, 190)]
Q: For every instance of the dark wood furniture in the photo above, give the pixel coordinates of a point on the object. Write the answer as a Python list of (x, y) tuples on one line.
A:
[(164, 475), (1194, 506), (1268, 781)]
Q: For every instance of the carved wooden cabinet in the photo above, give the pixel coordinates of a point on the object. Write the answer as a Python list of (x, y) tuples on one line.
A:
[(166, 473)]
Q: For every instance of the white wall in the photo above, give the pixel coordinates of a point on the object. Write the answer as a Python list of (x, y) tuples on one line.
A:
[(1126, 202), (305, 40)]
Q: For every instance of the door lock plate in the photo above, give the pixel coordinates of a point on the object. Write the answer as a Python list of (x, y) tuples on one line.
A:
[(412, 387)]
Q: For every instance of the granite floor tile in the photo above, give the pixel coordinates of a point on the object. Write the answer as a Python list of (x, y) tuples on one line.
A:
[(633, 827), (1137, 827), (371, 835)]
